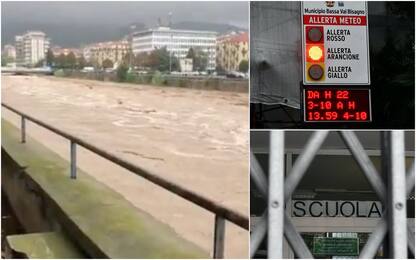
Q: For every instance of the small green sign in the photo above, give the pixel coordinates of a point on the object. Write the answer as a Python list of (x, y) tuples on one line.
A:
[(335, 246)]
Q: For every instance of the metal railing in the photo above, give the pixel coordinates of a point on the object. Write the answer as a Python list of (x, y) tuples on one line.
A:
[(276, 222), (221, 212)]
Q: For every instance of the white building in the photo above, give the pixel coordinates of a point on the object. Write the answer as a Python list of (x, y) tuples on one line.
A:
[(31, 47), (9, 51), (176, 41), (86, 52), (186, 65)]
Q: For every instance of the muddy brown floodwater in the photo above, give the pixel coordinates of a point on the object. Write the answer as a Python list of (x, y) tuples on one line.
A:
[(196, 138)]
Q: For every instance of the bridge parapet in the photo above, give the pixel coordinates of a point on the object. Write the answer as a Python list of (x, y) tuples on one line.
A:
[(99, 221)]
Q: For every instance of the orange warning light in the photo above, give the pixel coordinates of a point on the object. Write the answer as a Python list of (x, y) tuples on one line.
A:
[(315, 53)]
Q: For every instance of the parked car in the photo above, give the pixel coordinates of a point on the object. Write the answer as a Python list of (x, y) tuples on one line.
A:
[(88, 69), (235, 74)]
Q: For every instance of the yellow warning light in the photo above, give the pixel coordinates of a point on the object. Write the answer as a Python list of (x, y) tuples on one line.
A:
[(315, 53)]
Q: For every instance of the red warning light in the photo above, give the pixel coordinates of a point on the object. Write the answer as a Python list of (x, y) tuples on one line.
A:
[(336, 105), (314, 34)]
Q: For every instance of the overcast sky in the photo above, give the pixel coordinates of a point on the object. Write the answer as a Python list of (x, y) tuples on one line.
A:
[(122, 13)]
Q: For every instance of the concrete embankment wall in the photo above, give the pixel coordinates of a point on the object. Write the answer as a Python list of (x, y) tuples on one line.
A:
[(99, 222), (233, 85)]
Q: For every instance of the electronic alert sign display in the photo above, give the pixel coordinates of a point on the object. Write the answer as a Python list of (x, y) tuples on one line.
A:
[(329, 104), (335, 43)]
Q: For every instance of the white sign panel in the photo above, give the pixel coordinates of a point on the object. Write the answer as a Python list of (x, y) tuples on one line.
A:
[(346, 209), (335, 43)]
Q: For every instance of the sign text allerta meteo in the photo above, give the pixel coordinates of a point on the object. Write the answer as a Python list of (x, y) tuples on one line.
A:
[(345, 29), (321, 208)]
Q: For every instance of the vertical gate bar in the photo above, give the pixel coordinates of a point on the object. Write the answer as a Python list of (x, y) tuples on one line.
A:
[(288, 252), (276, 195), (397, 204), (385, 172), (219, 235), (410, 184), (73, 160), (23, 129)]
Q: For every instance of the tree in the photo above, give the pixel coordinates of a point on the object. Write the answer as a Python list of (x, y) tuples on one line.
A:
[(125, 59), (60, 61), (244, 51), (191, 54), (219, 69), (39, 63), (107, 63), (128, 58), (122, 72), (50, 58), (65, 61), (6, 60), (153, 60), (141, 60), (199, 59), (162, 60), (71, 60), (95, 64), (81, 62), (243, 67)]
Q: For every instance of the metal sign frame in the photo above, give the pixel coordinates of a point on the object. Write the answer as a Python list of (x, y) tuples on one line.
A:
[(304, 58)]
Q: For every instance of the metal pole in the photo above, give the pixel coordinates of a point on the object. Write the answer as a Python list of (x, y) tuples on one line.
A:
[(132, 27), (276, 200), (170, 55), (73, 160), (23, 129), (219, 234), (385, 169), (397, 202)]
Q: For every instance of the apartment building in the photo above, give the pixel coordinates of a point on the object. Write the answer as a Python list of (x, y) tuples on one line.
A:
[(232, 49), (56, 50), (178, 42), (9, 51), (112, 50), (31, 48)]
